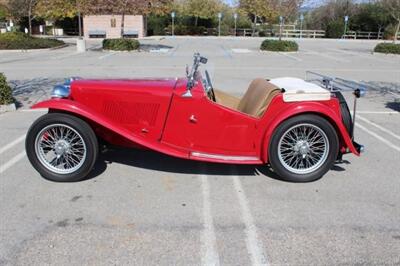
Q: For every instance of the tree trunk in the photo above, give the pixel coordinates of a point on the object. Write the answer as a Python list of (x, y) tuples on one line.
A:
[(254, 25), (30, 17), (122, 24), (379, 31), (145, 26), (396, 32), (196, 20)]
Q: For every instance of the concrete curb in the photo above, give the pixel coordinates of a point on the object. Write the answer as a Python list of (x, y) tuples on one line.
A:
[(7, 108), (33, 50)]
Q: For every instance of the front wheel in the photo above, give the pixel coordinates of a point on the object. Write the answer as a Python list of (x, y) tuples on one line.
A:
[(61, 147), (303, 148)]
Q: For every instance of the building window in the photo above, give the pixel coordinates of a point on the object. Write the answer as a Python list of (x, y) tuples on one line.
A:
[(113, 23)]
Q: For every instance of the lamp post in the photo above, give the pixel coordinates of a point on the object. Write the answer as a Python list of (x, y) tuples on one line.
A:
[(173, 22), (301, 25), (80, 24), (235, 16), (280, 27), (219, 23), (346, 20)]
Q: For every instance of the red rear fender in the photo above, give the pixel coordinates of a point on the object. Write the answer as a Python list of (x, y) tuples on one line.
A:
[(328, 112)]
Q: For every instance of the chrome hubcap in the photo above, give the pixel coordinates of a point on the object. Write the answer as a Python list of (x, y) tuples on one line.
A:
[(303, 148), (60, 148)]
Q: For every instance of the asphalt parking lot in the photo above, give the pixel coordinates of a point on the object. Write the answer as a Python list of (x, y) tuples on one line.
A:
[(144, 208)]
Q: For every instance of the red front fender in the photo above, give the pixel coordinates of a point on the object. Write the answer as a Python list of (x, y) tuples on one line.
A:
[(317, 108), (83, 111)]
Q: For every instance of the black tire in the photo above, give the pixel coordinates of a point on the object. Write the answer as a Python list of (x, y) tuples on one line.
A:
[(87, 134), (273, 151)]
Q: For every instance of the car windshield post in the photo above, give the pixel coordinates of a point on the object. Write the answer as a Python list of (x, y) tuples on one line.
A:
[(197, 59)]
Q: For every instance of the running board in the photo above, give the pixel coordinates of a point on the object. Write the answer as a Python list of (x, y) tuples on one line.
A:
[(226, 158)]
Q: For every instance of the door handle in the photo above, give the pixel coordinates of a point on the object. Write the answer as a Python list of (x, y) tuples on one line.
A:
[(193, 119)]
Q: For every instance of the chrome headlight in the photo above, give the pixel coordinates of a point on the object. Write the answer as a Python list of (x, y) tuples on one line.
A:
[(60, 91), (63, 91)]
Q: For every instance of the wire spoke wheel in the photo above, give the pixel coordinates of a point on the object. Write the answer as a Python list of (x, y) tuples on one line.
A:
[(60, 148), (303, 148)]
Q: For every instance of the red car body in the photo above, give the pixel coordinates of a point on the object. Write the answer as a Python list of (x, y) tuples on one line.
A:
[(152, 113)]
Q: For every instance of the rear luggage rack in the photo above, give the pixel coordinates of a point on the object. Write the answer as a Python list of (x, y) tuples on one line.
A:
[(336, 86)]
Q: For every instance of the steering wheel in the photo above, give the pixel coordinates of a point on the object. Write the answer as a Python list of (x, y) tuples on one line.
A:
[(210, 89)]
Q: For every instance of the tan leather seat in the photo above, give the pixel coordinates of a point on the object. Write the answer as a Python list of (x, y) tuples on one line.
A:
[(254, 102)]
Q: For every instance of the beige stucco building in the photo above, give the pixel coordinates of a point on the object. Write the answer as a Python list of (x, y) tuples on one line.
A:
[(109, 26)]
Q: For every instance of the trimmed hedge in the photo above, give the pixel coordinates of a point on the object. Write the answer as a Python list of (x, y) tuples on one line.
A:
[(387, 48), (121, 44), (279, 46), (5, 91), (19, 40)]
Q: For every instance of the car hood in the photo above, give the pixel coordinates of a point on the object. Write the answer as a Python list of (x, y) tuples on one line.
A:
[(123, 84)]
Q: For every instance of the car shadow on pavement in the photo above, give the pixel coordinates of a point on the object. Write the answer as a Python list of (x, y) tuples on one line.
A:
[(395, 106), (151, 160)]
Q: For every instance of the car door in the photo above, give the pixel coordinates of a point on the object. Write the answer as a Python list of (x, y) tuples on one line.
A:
[(200, 125)]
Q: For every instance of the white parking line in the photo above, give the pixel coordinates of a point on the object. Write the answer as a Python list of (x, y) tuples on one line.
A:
[(379, 137), (378, 112), (13, 143), (254, 246), (327, 56), (367, 56), (11, 162), (209, 243), (291, 56), (62, 56), (106, 55), (379, 127)]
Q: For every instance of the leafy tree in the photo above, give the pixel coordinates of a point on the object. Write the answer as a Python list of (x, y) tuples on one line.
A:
[(56, 9), (204, 9), (23, 8), (393, 8), (370, 17), (259, 9), (3, 12)]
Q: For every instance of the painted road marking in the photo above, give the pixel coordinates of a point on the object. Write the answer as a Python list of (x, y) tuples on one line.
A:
[(241, 51), (378, 112), (12, 144), (327, 56), (379, 127), (254, 246), (361, 55), (11, 162), (161, 50), (65, 56), (290, 56), (209, 242), (106, 55), (397, 148), (226, 52)]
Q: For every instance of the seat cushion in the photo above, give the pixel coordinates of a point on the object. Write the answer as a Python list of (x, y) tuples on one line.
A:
[(226, 99), (257, 97)]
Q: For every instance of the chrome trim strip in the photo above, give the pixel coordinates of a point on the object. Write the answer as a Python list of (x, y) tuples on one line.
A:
[(224, 157)]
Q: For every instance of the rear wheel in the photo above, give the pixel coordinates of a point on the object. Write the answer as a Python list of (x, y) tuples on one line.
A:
[(61, 147), (303, 148)]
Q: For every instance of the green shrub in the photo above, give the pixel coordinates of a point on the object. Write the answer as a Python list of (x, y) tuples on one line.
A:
[(5, 91), (19, 40), (121, 44), (279, 46), (387, 48), (334, 29)]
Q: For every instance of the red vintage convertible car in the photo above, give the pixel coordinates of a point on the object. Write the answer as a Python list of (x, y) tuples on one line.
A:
[(299, 128)]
